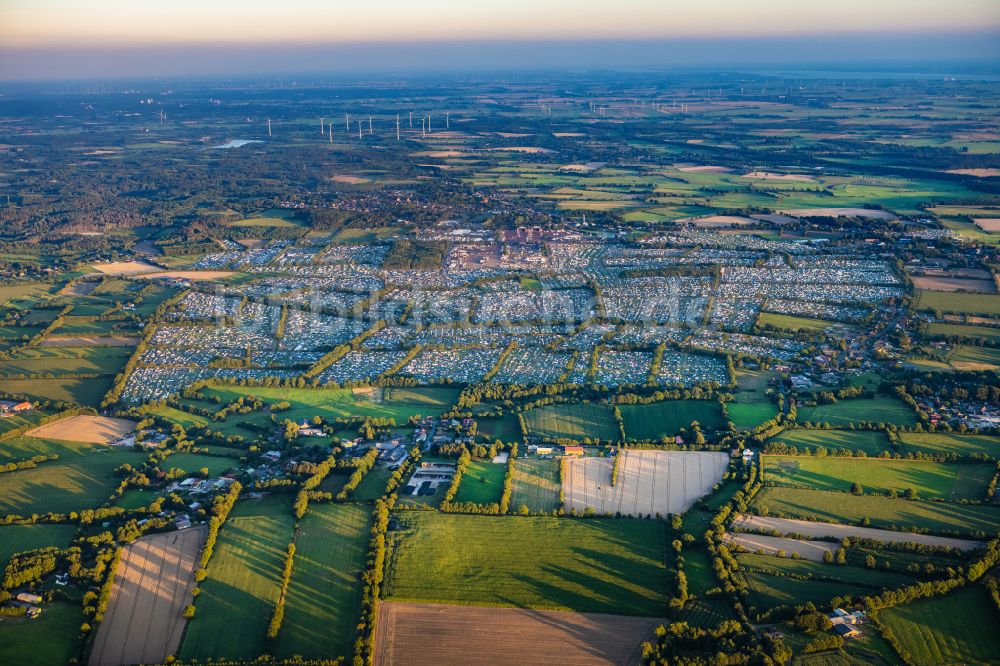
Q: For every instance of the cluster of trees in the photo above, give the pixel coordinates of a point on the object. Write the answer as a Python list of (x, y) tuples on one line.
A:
[(221, 506), (364, 465), (310, 484)]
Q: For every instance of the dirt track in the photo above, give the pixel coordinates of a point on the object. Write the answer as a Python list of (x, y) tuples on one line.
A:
[(90, 429), (817, 529), (153, 583), (431, 634)]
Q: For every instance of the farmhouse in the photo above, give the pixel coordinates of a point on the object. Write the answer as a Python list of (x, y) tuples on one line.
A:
[(573, 450), (846, 631)]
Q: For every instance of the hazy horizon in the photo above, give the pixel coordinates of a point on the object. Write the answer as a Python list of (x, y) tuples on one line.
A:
[(59, 39)]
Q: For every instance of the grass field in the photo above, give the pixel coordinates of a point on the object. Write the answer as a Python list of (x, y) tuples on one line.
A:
[(324, 598), (939, 442), (19, 538), (398, 404), (68, 484), (793, 323), (482, 483), (244, 575), (536, 484), (180, 417), (665, 419), (750, 405), (506, 428), (977, 359), (192, 463), (958, 628), (937, 517), (948, 481), (20, 447), (373, 485), (599, 566), (576, 421), (49, 639), (66, 360), (880, 409), (939, 330), (962, 303), (869, 441), (87, 392), (15, 421)]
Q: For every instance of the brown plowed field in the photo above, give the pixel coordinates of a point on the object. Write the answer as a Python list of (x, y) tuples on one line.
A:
[(153, 583), (438, 635)]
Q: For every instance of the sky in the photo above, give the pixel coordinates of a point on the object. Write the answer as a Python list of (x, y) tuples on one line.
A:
[(74, 38)]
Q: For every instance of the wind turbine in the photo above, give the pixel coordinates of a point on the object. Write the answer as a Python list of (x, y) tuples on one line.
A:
[(269, 127), (162, 115), (428, 123), (359, 129), (331, 132), (370, 131), (347, 121), (447, 120), (322, 126), (397, 127), (411, 119)]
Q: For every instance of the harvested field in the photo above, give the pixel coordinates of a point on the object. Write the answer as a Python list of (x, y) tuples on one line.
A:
[(770, 545), (432, 634), (649, 482), (350, 180), (840, 212), (523, 149), (988, 224), (706, 168), (936, 283), (78, 288), (84, 428), (769, 175), (89, 341), (143, 623), (713, 221), (190, 275), (981, 173), (817, 529), (125, 267)]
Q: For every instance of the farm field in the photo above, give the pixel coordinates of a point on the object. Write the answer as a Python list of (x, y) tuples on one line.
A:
[(944, 330), (793, 323), (750, 405), (870, 441), (589, 565), (256, 532), (83, 391), (482, 483), (948, 481), (819, 530), (648, 482), (962, 303), (19, 538), (85, 428), (431, 634), (825, 506), (192, 463), (506, 429), (655, 421), (961, 630), (46, 640), (398, 404), (814, 551), (143, 623), (58, 361), (572, 421), (535, 484), (950, 443), (64, 485), (881, 409), (324, 597)]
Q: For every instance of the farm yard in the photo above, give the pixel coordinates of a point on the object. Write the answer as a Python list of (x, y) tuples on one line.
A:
[(647, 483)]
